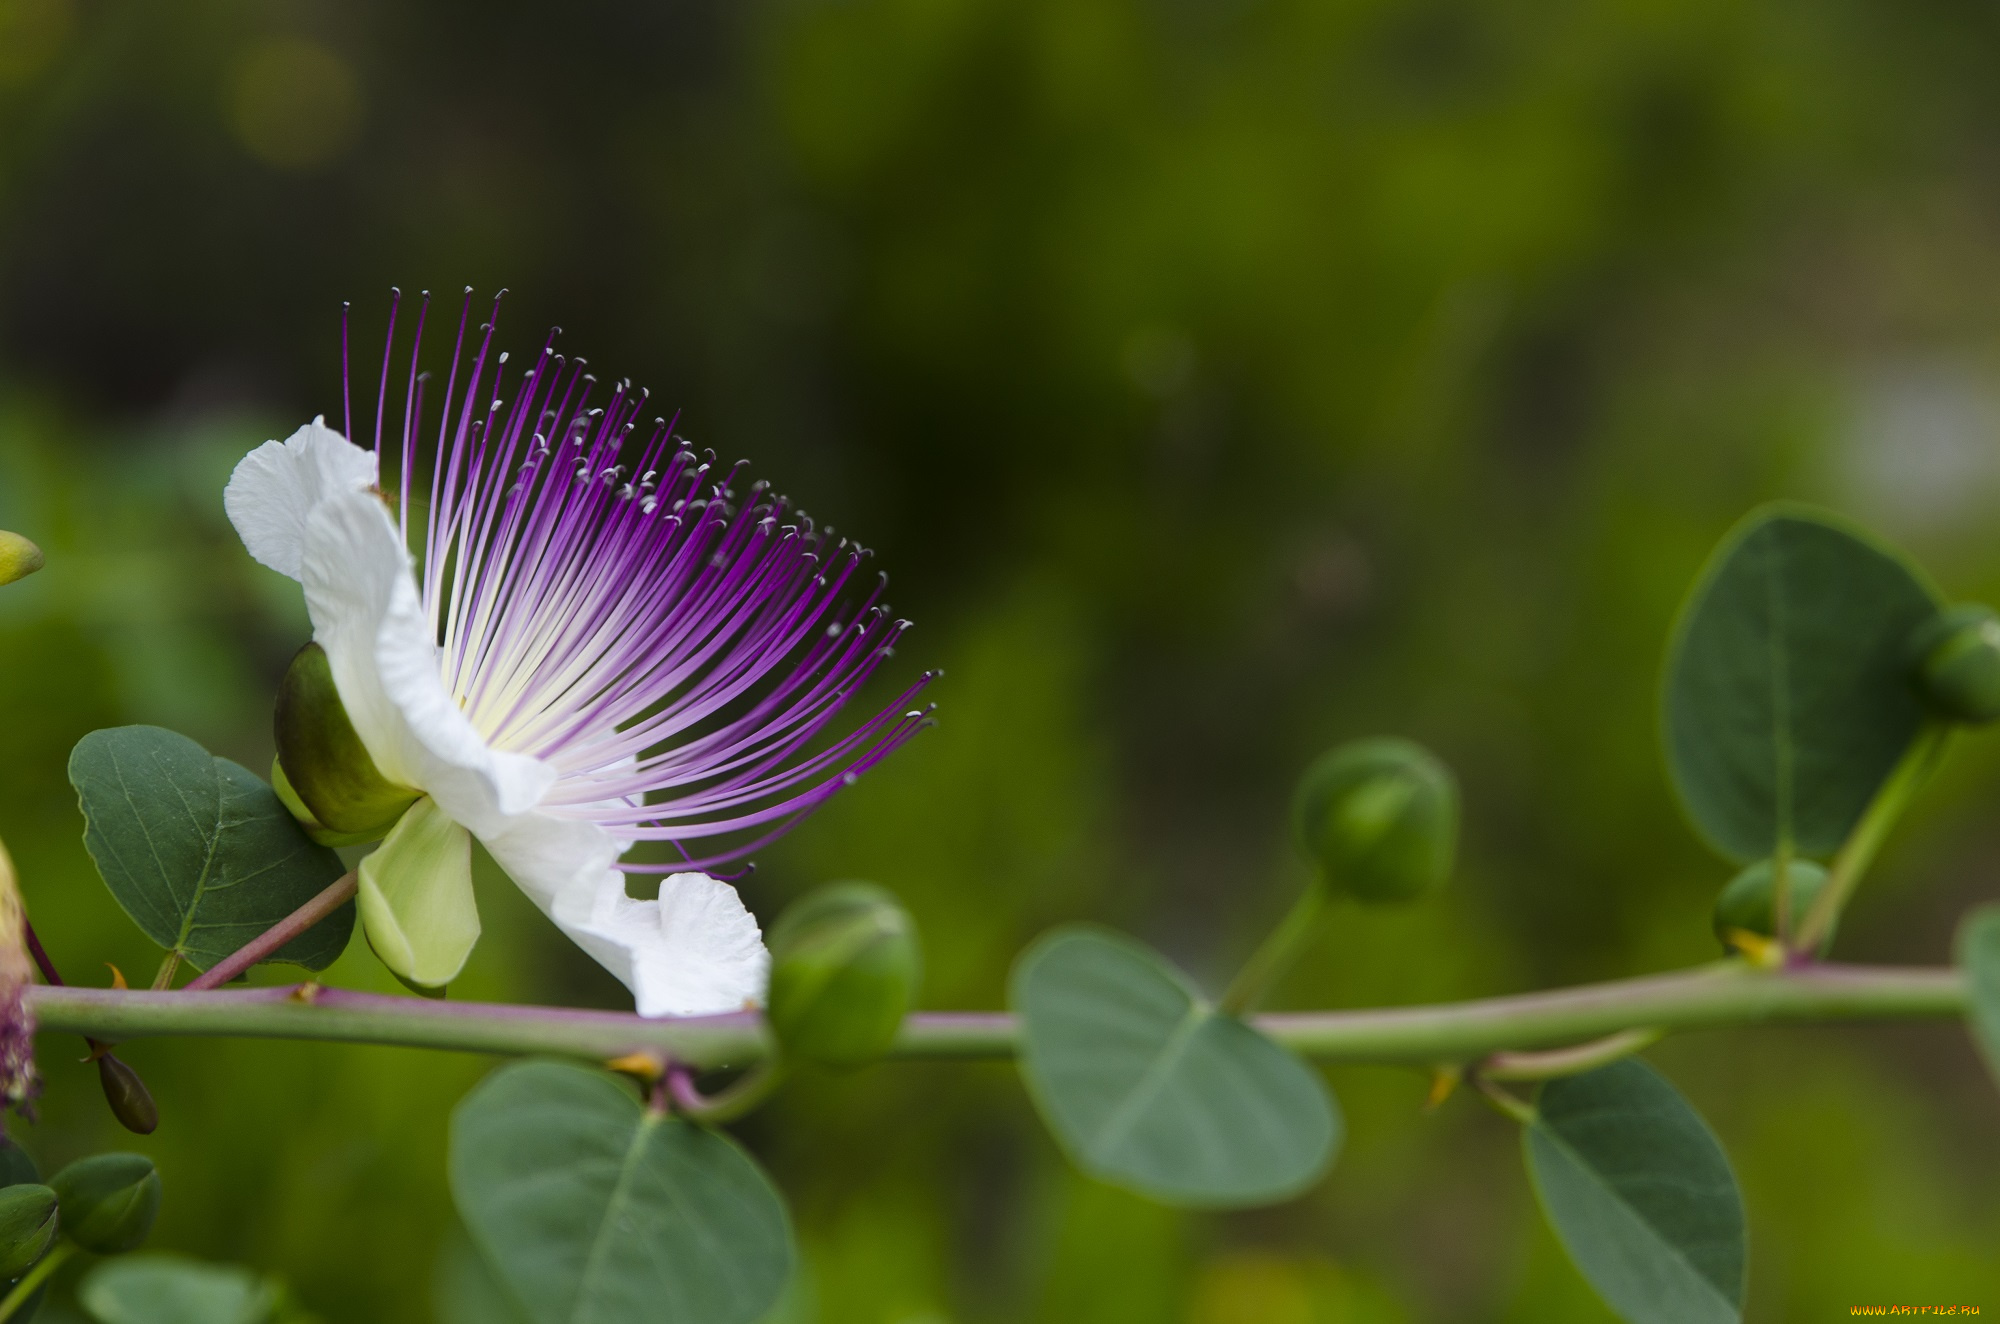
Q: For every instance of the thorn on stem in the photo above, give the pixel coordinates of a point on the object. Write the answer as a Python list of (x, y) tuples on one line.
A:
[(1444, 1083)]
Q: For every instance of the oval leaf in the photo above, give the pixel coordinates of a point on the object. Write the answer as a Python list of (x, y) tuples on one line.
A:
[(198, 850), (1149, 1087), (1641, 1195), (1788, 695), (1979, 957), (594, 1211), (172, 1289)]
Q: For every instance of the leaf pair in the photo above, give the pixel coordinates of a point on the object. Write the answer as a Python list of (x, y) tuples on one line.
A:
[(198, 850)]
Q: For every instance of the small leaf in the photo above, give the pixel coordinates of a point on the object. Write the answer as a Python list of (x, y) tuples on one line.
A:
[(1979, 957), (1641, 1195), (199, 851), (1789, 694), (1148, 1087), (594, 1211), (158, 1288)]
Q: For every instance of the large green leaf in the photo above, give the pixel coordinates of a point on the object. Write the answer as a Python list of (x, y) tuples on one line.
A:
[(1788, 696), (198, 850), (172, 1289), (592, 1210), (1979, 960), (1641, 1195), (1149, 1087)]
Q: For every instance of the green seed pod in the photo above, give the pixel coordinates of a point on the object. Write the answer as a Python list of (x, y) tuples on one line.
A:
[(131, 1102), (109, 1201), (1749, 901), (1380, 819), (845, 964), (19, 558), (325, 767), (27, 1226), (1958, 663)]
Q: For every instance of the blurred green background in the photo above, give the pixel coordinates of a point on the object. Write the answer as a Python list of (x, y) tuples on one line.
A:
[(1217, 380)]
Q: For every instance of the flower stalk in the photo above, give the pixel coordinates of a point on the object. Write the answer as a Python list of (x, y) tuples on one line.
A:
[(336, 895), (1859, 850), (32, 1280), (1286, 943)]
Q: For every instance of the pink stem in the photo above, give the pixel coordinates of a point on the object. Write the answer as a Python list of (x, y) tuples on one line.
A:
[(271, 939)]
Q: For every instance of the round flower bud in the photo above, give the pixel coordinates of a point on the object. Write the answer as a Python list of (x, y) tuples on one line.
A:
[(1380, 819), (845, 965), (27, 1226), (19, 558), (1958, 663), (108, 1201), (1749, 902), (322, 764)]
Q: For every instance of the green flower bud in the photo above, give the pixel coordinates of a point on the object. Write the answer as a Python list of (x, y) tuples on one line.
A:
[(19, 558), (1958, 663), (326, 771), (1380, 819), (131, 1102), (27, 1226), (109, 1201), (845, 965), (1750, 900)]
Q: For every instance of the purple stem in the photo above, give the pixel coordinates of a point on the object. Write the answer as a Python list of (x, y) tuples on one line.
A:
[(42, 961), (271, 939)]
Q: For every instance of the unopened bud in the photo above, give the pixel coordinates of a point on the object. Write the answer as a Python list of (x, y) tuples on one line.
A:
[(27, 1226), (845, 964), (1380, 819), (1958, 663), (322, 764), (1749, 903), (108, 1201), (131, 1102), (19, 558)]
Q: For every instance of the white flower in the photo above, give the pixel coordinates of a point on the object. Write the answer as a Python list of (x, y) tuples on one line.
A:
[(585, 654), (307, 508)]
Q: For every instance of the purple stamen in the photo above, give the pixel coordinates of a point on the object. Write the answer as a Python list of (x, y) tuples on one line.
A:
[(603, 600)]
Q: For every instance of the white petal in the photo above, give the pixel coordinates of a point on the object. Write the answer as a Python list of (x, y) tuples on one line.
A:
[(549, 857), (366, 614), (276, 487), (694, 951), (416, 897)]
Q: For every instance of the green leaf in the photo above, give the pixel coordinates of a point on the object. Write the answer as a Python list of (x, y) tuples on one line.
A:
[(1149, 1087), (158, 1288), (595, 1211), (1979, 957), (198, 850), (1788, 687), (1640, 1194)]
